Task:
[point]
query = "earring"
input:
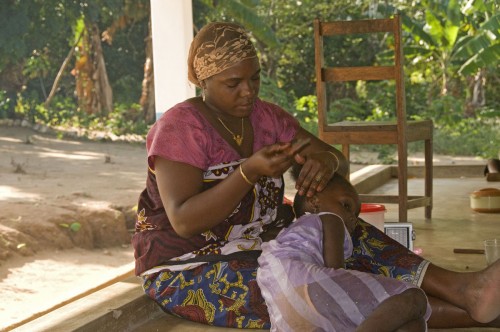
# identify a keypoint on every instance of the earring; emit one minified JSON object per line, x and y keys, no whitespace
{"x":203,"y":95}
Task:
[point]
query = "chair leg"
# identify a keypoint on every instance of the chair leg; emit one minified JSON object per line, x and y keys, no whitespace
{"x":403,"y":181}
{"x":347,"y":154}
{"x":428,"y":177}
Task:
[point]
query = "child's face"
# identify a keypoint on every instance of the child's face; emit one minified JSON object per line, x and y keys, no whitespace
{"x":342,"y":200}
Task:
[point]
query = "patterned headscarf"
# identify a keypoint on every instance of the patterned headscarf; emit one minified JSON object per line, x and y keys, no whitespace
{"x":216,"y":47}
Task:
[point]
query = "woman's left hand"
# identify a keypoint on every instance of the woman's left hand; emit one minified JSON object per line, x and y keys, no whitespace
{"x":318,"y":168}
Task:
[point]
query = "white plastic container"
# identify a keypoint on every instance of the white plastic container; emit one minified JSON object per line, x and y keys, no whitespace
{"x":486,"y":200}
{"x":373,"y":214}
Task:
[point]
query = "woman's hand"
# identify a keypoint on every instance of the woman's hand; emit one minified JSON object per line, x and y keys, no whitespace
{"x":193,"y":210}
{"x":320,"y":161}
{"x":272,"y":160}
{"x":318,"y":168}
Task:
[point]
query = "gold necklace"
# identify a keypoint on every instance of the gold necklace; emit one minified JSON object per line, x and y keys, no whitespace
{"x":237,"y":138}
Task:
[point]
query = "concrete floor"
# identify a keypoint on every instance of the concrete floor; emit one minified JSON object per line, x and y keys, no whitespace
{"x":453,"y":225}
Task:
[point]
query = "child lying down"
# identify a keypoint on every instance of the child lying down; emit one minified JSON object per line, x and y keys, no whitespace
{"x":305,"y":285}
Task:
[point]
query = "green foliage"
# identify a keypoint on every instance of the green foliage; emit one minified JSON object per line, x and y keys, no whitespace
{"x":456,"y":135}
{"x":62,"y":110}
{"x":5,"y":105}
{"x":125,"y":71}
{"x":306,"y":111}
{"x":469,"y":137}
{"x":453,"y":40}
{"x":446,"y":44}
{"x":34,"y":41}
{"x":347,"y":109}
{"x":127,"y":119}
{"x":386,"y":154}
{"x":270,"y":91}
{"x":445,"y":111}
{"x":25,"y":107}
{"x":243,"y":12}
{"x":37,"y":35}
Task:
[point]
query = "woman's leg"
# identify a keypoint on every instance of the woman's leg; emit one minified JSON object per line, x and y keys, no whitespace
{"x":444,"y":312}
{"x":478,"y":293}
{"x":219,"y":293}
{"x":377,"y":253}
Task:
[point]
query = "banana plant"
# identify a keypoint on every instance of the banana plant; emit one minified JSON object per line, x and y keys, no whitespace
{"x":481,"y":47}
{"x":452,"y":38}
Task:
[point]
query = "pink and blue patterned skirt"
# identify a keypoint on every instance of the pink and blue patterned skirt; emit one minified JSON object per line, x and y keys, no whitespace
{"x":226,"y":293}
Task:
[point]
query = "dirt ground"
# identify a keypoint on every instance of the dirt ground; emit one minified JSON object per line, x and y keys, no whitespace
{"x":66,"y":210}
{"x":66,"y":215}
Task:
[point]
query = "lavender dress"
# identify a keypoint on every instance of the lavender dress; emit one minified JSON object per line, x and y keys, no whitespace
{"x":304,"y":295}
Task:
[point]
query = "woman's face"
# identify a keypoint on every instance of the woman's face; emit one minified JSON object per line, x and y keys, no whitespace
{"x":234,"y":90}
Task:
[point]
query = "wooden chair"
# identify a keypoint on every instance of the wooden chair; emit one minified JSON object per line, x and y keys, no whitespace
{"x":398,"y":132}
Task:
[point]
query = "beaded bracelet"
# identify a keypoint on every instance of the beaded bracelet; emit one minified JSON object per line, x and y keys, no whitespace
{"x":245,"y":177}
{"x":338,"y":161}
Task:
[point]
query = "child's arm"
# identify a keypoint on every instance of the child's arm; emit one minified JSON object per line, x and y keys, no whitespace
{"x":333,"y":241}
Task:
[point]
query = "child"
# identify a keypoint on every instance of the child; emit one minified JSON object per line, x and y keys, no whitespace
{"x":305,"y":285}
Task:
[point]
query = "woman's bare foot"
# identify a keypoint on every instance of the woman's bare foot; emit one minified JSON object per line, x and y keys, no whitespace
{"x":483,"y":294}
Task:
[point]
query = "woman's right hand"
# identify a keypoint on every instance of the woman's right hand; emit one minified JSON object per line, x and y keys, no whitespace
{"x":272,"y":160}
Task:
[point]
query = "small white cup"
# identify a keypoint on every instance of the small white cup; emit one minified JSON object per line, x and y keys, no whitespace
{"x":492,"y":250}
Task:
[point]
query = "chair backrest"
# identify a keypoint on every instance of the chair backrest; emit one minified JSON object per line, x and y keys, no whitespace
{"x":326,"y":74}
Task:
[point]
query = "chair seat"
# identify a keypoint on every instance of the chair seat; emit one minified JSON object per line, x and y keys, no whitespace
{"x":380,"y":132}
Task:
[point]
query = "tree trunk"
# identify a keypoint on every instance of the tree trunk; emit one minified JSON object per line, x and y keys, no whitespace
{"x":478,"y":95}
{"x":478,"y":99}
{"x":92,"y":86}
{"x":147,"y":100}
{"x":82,"y":71}
{"x":60,"y":72}
{"x":104,"y":93}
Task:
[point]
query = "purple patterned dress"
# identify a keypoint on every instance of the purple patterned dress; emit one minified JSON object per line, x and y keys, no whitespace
{"x":304,"y":295}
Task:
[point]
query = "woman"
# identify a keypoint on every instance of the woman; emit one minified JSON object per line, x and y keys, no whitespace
{"x":215,"y":189}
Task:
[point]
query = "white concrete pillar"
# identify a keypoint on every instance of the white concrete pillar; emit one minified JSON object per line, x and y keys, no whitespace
{"x":172,"y":32}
